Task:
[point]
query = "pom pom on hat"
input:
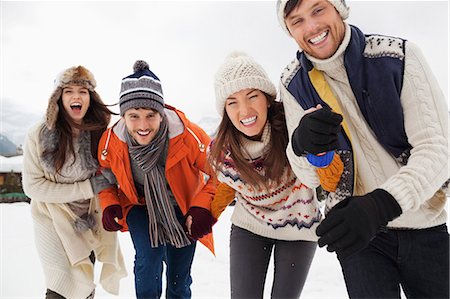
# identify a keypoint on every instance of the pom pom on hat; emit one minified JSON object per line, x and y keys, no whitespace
{"x":239,"y":71}
{"x":140,"y":65}
{"x":235,"y":54}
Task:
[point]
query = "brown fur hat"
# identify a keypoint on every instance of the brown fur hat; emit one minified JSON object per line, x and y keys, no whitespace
{"x":77,"y":75}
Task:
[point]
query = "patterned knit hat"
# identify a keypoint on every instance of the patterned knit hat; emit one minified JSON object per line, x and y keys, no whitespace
{"x":340,"y":6}
{"x":77,"y":75}
{"x":238,"y":72}
{"x":142,"y":89}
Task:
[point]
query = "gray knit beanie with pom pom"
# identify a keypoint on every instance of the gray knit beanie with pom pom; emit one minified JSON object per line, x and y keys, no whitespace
{"x":142,"y":89}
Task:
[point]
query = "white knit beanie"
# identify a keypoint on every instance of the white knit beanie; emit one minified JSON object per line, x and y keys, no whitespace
{"x":238,"y":72}
{"x":340,"y":6}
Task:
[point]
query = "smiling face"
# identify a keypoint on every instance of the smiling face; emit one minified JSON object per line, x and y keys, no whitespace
{"x":317,"y":27}
{"x":76,"y":100}
{"x":247,"y":110}
{"x":142,"y":124}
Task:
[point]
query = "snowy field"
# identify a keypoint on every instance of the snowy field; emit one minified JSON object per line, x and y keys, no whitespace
{"x":21,"y":275}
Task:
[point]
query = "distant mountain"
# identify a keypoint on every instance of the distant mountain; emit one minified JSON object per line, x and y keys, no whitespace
{"x":7,"y":148}
{"x":16,"y":121}
{"x":209,"y":124}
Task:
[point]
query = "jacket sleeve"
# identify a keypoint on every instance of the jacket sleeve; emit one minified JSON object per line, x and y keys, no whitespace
{"x":35,"y":184}
{"x":108,"y":196}
{"x":426,"y":125}
{"x":300,"y":165}
{"x":205,"y":196}
{"x":224,"y":196}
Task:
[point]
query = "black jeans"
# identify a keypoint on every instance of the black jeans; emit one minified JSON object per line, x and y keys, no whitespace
{"x":416,"y":260}
{"x":249,"y":260}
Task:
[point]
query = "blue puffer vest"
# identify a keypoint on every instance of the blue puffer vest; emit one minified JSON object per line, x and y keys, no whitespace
{"x":376,"y":81}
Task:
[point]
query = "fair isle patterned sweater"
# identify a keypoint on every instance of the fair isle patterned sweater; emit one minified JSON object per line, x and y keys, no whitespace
{"x":286,"y":211}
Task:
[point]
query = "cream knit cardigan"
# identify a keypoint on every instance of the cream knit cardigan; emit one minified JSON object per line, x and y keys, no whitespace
{"x":65,"y":254}
{"x":417,"y":185}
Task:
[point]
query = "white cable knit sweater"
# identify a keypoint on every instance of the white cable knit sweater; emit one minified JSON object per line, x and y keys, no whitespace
{"x":416,"y":186}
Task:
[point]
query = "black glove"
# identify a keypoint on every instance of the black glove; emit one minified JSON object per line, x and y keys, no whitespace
{"x":317,"y":132}
{"x":202,"y":222}
{"x":354,"y":222}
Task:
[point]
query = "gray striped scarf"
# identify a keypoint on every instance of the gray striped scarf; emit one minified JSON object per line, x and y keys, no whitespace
{"x":163,"y":224}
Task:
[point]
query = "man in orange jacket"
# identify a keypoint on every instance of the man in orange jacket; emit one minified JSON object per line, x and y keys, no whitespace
{"x":163,"y":192}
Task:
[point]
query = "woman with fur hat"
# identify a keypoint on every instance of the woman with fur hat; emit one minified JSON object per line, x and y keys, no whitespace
{"x":59,"y":175}
{"x":274,"y":210}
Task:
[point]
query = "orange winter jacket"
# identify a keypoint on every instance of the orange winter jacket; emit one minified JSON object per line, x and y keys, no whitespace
{"x":186,"y":173}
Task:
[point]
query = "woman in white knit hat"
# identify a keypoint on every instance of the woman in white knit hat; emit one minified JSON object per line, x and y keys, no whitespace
{"x":59,"y":175}
{"x":274,"y":210}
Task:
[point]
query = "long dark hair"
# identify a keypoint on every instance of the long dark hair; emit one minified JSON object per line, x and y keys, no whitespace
{"x":95,"y":121}
{"x":227,"y":141}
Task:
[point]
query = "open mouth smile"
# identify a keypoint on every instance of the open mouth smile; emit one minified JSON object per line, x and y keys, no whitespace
{"x":319,"y":38}
{"x":248,"y":121}
{"x":76,"y":106}
{"x":143,"y":133}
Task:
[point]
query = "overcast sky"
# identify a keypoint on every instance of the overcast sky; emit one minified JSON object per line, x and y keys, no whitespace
{"x":184,"y":43}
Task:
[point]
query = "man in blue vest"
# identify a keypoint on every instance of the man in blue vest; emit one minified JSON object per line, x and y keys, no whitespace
{"x":386,"y":220}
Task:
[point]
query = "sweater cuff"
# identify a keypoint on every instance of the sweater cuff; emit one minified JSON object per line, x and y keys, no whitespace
{"x":330,"y":176}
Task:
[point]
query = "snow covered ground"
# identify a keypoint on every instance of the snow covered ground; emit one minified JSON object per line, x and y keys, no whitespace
{"x":21,"y":275}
